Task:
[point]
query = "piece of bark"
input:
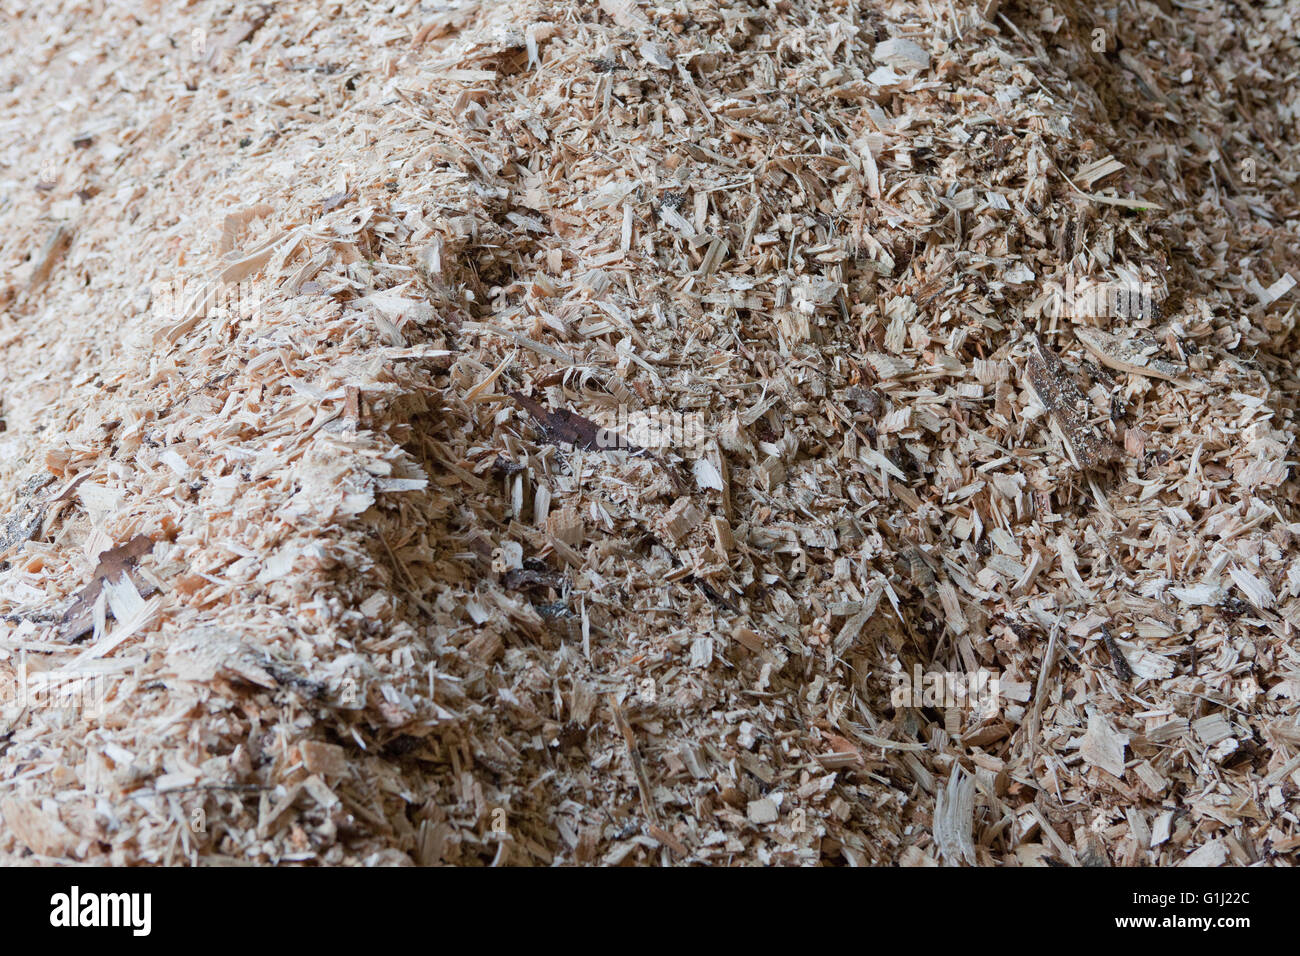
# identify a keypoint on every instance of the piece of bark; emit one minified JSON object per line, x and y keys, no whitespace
{"x":50,"y":253}
{"x":1117,"y":659}
{"x":78,"y":619}
{"x":1135,"y":354}
{"x":1055,"y":387}
{"x":562,"y":425}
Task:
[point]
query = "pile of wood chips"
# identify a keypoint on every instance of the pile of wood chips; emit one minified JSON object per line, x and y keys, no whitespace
{"x":556,"y":432}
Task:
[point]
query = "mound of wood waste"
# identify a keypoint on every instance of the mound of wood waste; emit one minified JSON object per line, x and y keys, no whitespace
{"x":649,"y":432}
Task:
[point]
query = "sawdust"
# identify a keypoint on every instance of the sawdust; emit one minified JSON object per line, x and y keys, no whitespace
{"x":337,"y":306}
